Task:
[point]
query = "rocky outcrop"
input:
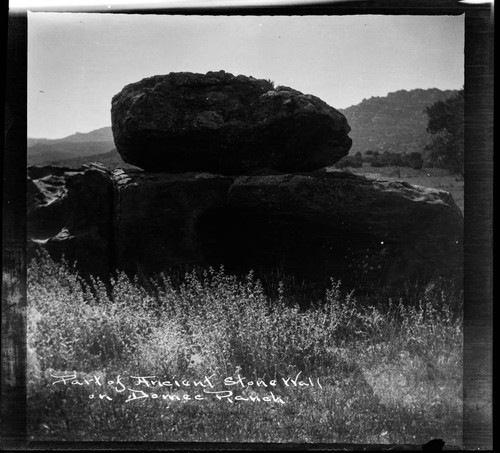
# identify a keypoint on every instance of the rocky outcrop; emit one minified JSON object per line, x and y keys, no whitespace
{"x":336,"y":224}
{"x":70,"y":214}
{"x":224,"y":124}
{"x":156,"y":217}
{"x":311,"y":225}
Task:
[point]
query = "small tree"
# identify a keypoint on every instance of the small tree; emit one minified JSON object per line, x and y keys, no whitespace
{"x":415,"y":161}
{"x":446,"y":124}
{"x":355,"y":161}
{"x":370,"y":156}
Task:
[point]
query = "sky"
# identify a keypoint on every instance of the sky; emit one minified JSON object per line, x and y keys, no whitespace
{"x":78,"y":61}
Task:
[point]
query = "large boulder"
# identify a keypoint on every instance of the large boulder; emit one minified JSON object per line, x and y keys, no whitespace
{"x":312,"y":226}
{"x":322,"y":225}
{"x":226,"y":124}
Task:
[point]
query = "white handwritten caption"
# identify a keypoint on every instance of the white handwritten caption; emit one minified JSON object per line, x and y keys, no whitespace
{"x":151,"y":387}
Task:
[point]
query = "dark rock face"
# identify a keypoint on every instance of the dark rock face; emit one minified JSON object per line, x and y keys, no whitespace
{"x":316,"y":226}
{"x":70,"y":214}
{"x":224,"y":124}
{"x":156,"y":217}
{"x":313,"y":225}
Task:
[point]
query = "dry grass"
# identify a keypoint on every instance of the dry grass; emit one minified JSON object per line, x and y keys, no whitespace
{"x":387,"y":375}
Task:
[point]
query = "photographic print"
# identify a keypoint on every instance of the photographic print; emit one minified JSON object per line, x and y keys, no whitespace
{"x":245,"y":228}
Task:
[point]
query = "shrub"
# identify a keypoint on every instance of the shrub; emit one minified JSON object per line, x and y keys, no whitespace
{"x":416,"y":161}
{"x":78,"y":325}
{"x":355,"y":160}
{"x":413,"y":160}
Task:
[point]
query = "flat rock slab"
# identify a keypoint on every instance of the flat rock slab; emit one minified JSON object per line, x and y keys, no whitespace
{"x":313,"y":226}
{"x":361,"y":231}
{"x":226,"y":124}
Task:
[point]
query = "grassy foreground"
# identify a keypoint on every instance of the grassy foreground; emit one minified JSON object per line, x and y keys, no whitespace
{"x":214,"y":359}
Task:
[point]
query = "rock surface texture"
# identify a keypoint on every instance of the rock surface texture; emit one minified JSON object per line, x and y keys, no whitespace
{"x":70,"y":214}
{"x":225,"y":124}
{"x":311,"y":225}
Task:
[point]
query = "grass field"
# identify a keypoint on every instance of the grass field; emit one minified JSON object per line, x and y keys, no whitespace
{"x":133,"y":361}
{"x":436,"y":178}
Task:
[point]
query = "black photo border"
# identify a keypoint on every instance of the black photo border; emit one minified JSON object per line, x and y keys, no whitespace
{"x":478,"y":221}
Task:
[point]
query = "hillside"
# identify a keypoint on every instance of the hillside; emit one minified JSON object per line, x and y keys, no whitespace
{"x":104,"y":134}
{"x":110,"y":160}
{"x":395,"y":123}
{"x":42,"y":151}
{"x":45,"y":154}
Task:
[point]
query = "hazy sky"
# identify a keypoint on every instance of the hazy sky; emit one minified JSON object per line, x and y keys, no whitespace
{"x":78,"y":61}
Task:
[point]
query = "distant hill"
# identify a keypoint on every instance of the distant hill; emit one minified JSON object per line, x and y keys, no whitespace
{"x":42,"y":154}
{"x":395,"y":123}
{"x":110,"y":160}
{"x":104,"y":134}
{"x":43,"y":151}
